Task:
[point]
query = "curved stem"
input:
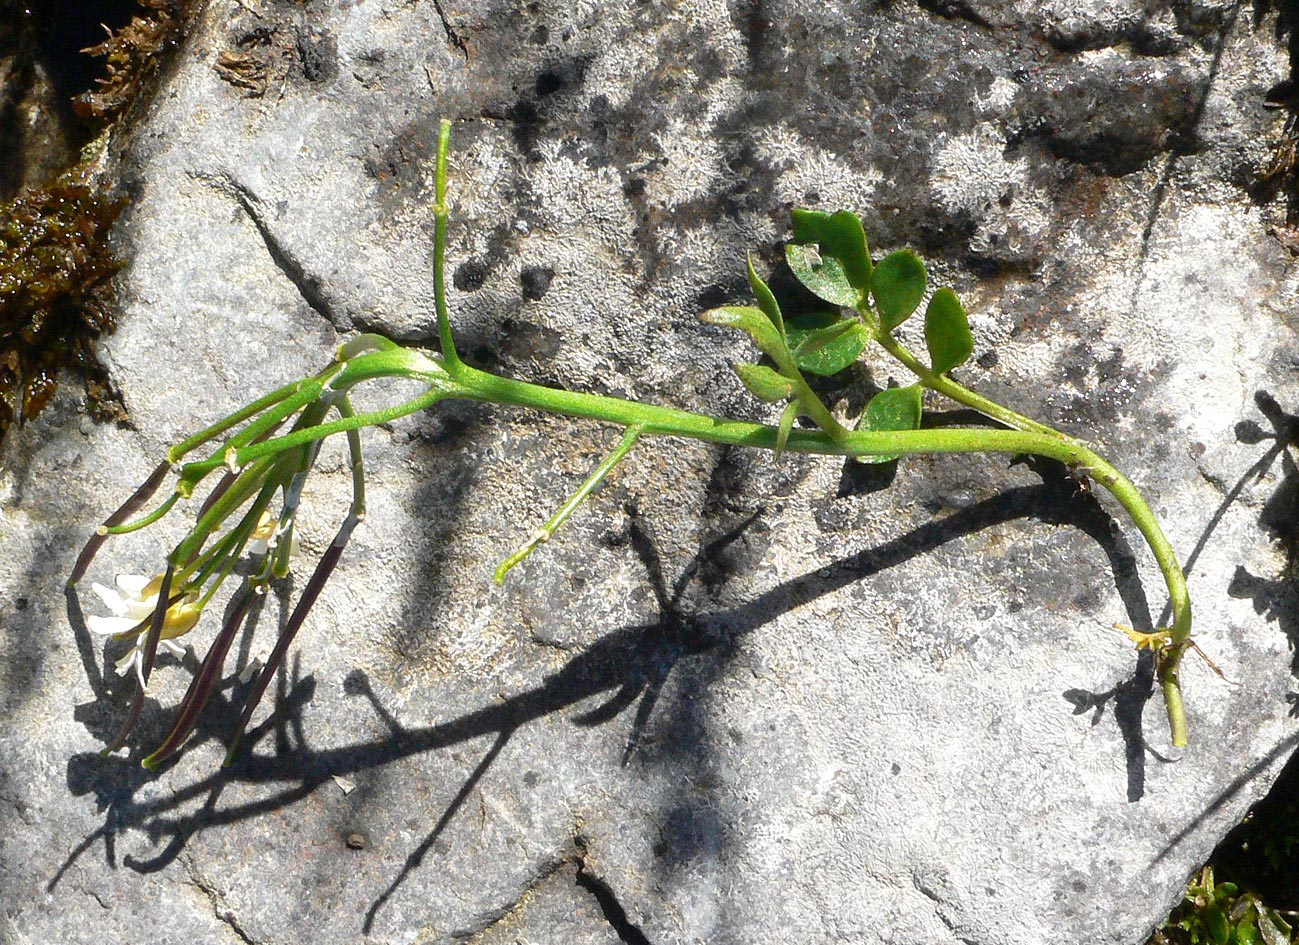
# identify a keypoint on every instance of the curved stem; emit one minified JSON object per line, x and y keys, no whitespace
{"x":1121,"y":488}
{"x":1046,"y":442}
{"x":959,"y":393}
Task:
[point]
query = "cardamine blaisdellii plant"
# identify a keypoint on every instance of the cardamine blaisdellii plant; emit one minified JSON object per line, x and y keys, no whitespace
{"x":257,"y":459}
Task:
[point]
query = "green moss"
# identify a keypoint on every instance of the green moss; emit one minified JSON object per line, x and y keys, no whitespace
{"x":1259,"y":860}
{"x":56,"y":294}
{"x":133,"y":55}
{"x":56,"y":291}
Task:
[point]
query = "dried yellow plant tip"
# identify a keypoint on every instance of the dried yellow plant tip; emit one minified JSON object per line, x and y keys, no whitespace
{"x":1147,"y":641}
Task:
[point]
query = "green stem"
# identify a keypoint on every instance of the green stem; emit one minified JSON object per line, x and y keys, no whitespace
{"x":547,"y":531}
{"x":144,"y":521}
{"x":257,"y":406}
{"x":1120,"y":487}
{"x":258,"y":451}
{"x":308,"y":392}
{"x":440,"y":215}
{"x":814,"y":408}
{"x":649,"y":419}
{"x":652,"y":419}
{"x":959,"y":393}
{"x":251,"y":479}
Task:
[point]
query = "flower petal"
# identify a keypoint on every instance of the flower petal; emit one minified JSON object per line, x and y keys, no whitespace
{"x":123,"y":665}
{"x":110,"y":626}
{"x":133,"y":584}
{"x":112,"y":600}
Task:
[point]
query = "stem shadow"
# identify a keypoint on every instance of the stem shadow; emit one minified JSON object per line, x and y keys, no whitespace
{"x":630,"y":663}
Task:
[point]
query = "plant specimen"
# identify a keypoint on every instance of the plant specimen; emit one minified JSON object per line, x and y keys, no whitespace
{"x":261,"y":455}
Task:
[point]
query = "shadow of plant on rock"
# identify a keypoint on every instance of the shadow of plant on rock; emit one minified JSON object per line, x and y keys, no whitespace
{"x":628,"y":667}
{"x":1275,"y":597}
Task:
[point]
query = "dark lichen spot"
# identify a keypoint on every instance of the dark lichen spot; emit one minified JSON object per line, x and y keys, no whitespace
{"x":470,"y":275}
{"x":1116,"y":116}
{"x":318,"y":51}
{"x":713,"y":296}
{"x":560,"y":77}
{"x":535,"y":281}
{"x":522,"y":340}
{"x":399,"y":165}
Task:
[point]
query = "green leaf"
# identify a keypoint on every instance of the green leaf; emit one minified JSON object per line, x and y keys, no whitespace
{"x":1216,"y":923}
{"x":766,"y":301}
{"x":830,"y":257}
{"x":786,"y":424}
{"x":756,"y":323}
{"x":823,"y":275}
{"x":897,"y":408}
{"x":947,"y":332}
{"x":898,"y":286}
{"x":1247,"y":932}
{"x":830,"y":349}
{"x":811,"y":320}
{"x":764,"y":383}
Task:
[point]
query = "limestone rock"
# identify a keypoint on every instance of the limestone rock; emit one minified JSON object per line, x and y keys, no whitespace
{"x":754,"y":699}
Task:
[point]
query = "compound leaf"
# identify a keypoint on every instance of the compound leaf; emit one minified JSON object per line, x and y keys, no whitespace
{"x":897,"y":408}
{"x":898,"y":286}
{"x":947,"y":332}
{"x":764,"y":383}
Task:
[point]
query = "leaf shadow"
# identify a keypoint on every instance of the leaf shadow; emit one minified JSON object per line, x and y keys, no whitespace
{"x":1275,"y":597}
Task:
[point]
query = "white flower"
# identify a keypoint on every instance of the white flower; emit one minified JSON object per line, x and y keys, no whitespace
{"x":131,"y":605}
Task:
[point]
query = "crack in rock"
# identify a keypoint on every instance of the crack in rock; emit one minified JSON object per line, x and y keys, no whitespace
{"x":219,"y":908}
{"x":939,"y":903}
{"x":309,"y":286}
{"x":607,"y":899}
{"x":499,"y":916}
{"x":453,"y":37}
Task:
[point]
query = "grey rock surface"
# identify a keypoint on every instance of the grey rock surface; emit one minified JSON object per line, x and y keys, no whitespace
{"x":748,"y":699}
